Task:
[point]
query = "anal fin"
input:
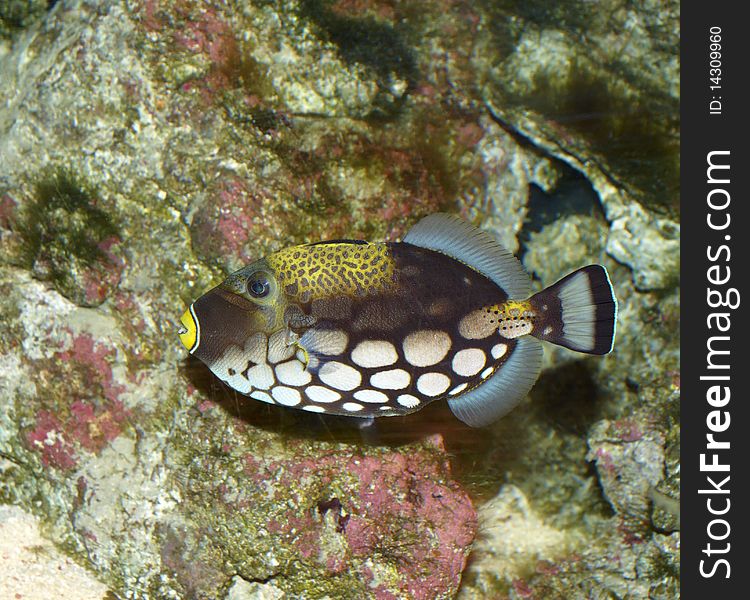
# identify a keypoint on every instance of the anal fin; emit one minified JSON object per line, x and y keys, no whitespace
{"x":505,"y":389}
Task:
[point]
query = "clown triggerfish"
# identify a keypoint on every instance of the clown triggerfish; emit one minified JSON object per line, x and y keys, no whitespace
{"x":354,"y":328}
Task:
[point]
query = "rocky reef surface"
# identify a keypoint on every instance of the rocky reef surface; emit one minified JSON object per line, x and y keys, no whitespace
{"x":149,"y":147}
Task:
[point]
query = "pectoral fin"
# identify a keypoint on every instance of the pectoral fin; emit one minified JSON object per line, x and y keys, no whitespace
{"x":322,"y":344}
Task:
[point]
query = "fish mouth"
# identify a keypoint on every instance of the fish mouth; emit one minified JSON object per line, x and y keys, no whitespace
{"x":189,"y":331}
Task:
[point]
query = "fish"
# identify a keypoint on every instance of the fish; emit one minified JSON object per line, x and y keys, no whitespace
{"x":375,"y":329}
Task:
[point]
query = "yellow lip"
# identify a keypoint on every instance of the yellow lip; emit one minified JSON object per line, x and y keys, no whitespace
{"x":189,"y":330}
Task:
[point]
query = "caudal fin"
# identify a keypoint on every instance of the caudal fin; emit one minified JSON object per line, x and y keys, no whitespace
{"x":578,"y":312}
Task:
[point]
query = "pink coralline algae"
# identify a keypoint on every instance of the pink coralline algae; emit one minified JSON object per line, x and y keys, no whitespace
{"x":8,"y":208}
{"x":470,"y":134}
{"x":522,"y":589}
{"x":95,"y":358}
{"x":224,"y":226}
{"x":604,"y":459}
{"x":627,"y":430}
{"x":48,"y":439}
{"x":86,"y":428}
{"x":207,"y":34}
{"x":359,"y":8}
{"x":94,"y":429}
{"x":235,"y":218}
{"x":102,"y":279}
{"x":88,"y":414}
{"x":402,"y":508}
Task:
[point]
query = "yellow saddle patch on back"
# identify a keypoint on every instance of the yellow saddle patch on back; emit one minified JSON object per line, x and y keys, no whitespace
{"x":320,"y":270}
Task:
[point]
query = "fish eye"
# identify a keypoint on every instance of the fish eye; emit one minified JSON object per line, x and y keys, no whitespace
{"x":258,"y":285}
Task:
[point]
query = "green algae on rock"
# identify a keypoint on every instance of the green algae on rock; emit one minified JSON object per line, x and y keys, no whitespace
{"x":374,"y":44}
{"x":15,"y":15}
{"x":596,"y":108}
{"x":610,"y":102}
{"x":69,"y":240}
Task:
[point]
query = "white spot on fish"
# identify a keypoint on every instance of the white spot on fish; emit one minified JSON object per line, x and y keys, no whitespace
{"x":458,"y":389}
{"x":233,"y":361}
{"x":498,"y":350}
{"x":262,"y":396}
{"x":468,"y":362}
{"x":408,"y":400}
{"x":340,"y":376}
{"x":486,"y":373}
{"x":476,"y":325}
{"x":318,"y":393}
{"x":426,"y":348}
{"x":255,"y":348}
{"x":260,"y":376}
{"x":371,"y":396}
{"x":239,"y":383}
{"x":433,"y":384}
{"x":395,"y":379}
{"x":352,"y":406}
{"x":313,"y":408}
{"x":511,"y":329}
{"x":374,"y":353}
{"x":286,"y":396}
{"x":293,"y":373}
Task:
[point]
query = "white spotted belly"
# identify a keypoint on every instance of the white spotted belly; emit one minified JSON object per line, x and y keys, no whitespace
{"x":361,"y":377}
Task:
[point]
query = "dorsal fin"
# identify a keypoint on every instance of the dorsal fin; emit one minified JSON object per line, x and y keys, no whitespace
{"x":502,"y":392}
{"x":339,"y":241}
{"x":455,"y":237}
